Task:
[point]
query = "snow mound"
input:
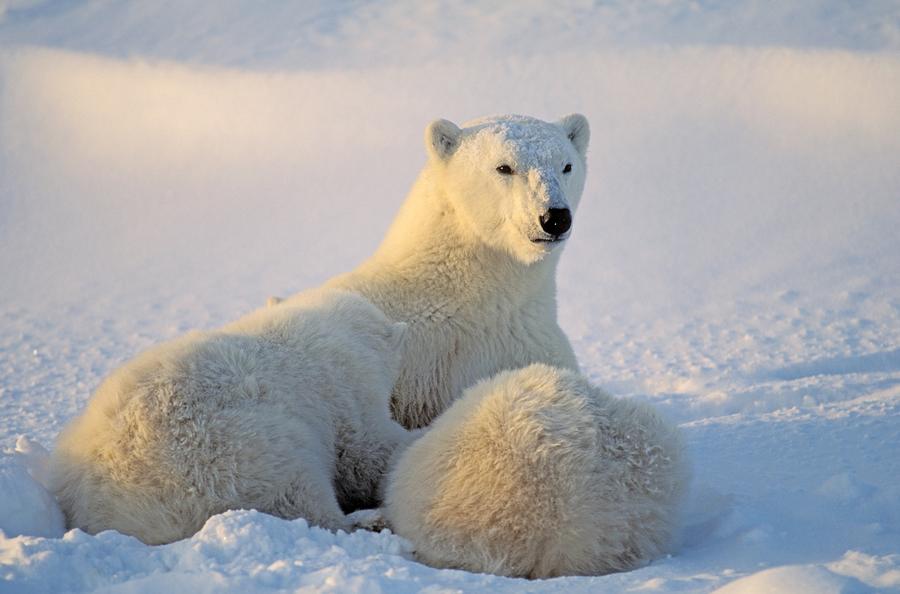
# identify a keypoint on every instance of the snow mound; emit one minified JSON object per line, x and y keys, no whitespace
{"x":27,"y":507}
{"x":237,"y":551}
{"x":856,"y":573}
{"x":795,"y":580}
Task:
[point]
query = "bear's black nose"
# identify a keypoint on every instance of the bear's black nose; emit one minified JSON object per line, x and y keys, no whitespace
{"x":556,"y":221}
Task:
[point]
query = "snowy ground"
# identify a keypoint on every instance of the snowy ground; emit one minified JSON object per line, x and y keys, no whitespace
{"x":167,"y":166}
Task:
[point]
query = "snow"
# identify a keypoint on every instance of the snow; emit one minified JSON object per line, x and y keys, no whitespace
{"x":28,"y":507}
{"x":795,"y":579}
{"x":167,"y":166}
{"x":325,"y":34}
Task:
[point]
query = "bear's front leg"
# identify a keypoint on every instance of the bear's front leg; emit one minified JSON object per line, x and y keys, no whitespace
{"x":312,"y":498}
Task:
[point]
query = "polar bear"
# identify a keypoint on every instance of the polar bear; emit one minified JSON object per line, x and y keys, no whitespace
{"x":470,"y":261}
{"x":284,"y":411}
{"x":535,"y":473}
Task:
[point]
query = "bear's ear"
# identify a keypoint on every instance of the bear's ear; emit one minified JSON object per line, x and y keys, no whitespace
{"x":441,"y":139}
{"x":577,"y":129}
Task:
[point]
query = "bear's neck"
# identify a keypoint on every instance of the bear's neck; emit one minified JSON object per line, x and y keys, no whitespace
{"x":428,"y":244}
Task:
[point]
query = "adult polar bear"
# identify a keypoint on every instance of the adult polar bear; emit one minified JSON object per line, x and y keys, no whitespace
{"x":470,"y":261}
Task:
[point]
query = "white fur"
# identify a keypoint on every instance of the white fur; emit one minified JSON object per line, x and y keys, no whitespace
{"x":460,"y":264}
{"x":270,"y":412}
{"x":535,"y":473}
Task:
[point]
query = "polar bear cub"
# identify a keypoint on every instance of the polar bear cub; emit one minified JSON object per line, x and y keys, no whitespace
{"x":284,"y":411}
{"x":535,"y":473}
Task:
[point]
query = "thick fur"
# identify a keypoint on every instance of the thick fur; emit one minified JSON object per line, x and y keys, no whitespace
{"x":268,"y":413}
{"x":535,"y":473}
{"x":464,"y":263}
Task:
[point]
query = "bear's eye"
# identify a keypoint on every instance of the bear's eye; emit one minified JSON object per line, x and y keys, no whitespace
{"x":505,"y":170}
{"x":567,"y":168}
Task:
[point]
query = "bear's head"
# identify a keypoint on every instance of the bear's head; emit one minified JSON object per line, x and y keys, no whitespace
{"x":514,"y":181}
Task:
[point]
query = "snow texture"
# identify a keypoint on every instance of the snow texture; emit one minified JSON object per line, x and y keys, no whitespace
{"x":166,"y":166}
